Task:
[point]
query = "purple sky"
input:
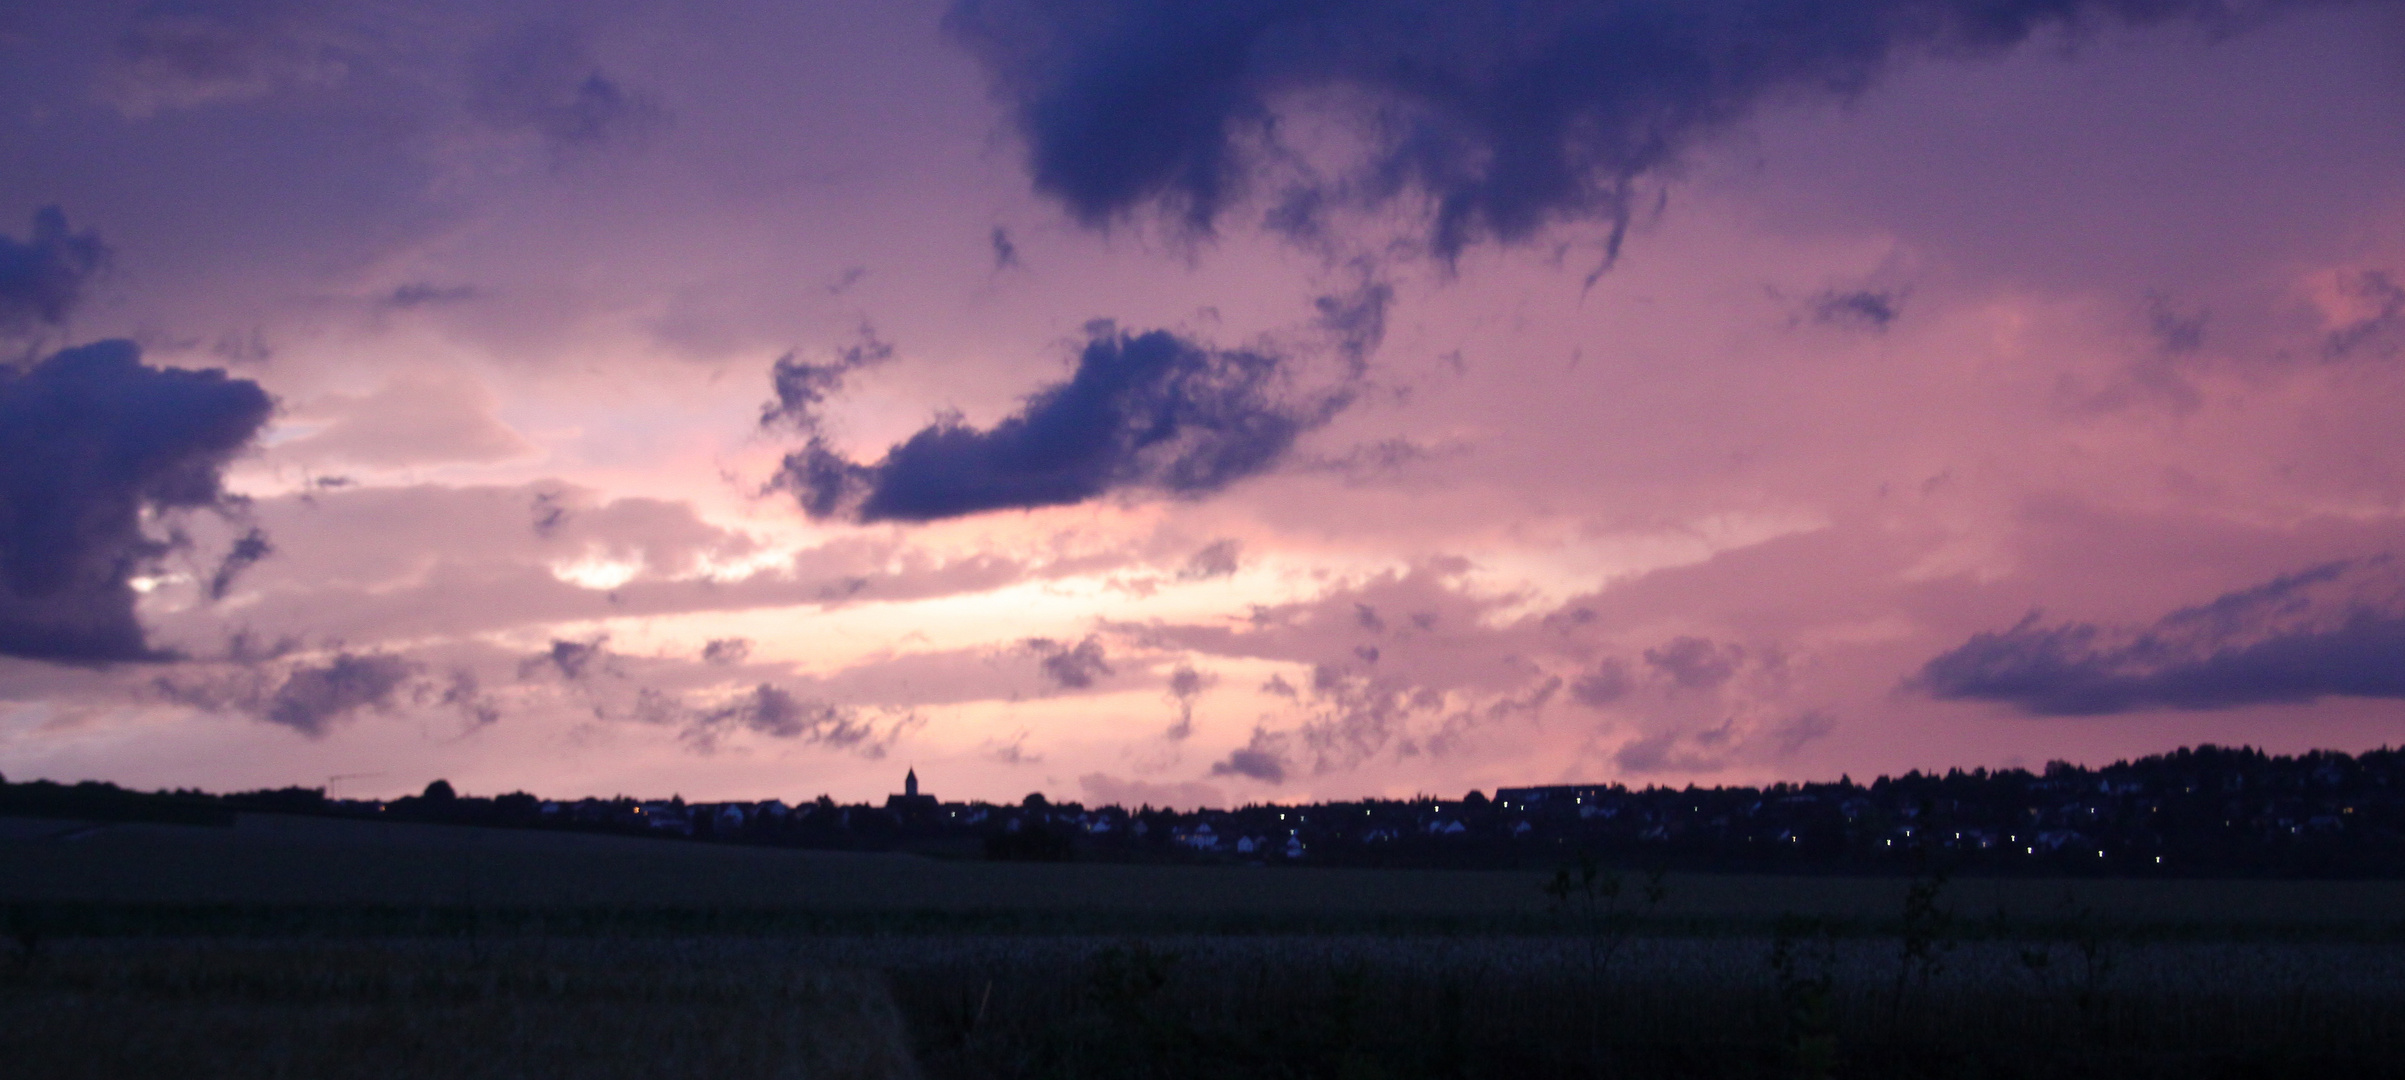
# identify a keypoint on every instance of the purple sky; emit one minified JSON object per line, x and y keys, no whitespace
{"x":1137,"y":400}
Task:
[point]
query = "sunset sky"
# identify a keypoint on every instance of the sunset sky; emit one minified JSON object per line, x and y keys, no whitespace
{"x":1192,"y":401}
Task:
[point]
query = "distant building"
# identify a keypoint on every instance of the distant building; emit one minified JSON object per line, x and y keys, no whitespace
{"x":910,"y":803}
{"x":1530,"y":798}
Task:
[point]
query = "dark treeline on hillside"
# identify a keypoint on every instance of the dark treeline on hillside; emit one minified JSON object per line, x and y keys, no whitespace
{"x":2205,"y":811}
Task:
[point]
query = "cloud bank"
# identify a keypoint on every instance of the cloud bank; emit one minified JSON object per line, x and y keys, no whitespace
{"x":803,"y":386}
{"x":2333,"y":630}
{"x":542,"y":80}
{"x":1497,"y":118}
{"x":42,"y":277}
{"x":90,"y":439}
{"x":1150,"y":411}
{"x":310,"y":698}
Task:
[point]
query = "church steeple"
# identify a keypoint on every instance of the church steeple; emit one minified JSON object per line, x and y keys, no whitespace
{"x":910,"y":803}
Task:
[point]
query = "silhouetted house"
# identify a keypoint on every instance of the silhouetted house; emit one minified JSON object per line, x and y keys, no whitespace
{"x":666,"y":817}
{"x":728,"y":821}
{"x":2057,"y":840}
{"x":1530,"y":798}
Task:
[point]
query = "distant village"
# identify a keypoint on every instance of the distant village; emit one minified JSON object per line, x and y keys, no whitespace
{"x":2202,"y":811}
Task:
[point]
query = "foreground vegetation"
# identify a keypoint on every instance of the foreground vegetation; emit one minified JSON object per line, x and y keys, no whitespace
{"x":341,"y":1011}
{"x":1798,"y":1004}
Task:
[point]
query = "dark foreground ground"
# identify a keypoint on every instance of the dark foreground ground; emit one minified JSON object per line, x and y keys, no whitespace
{"x":297,"y":948}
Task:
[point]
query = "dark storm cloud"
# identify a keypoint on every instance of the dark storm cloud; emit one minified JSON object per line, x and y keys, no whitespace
{"x":2178,"y":331}
{"x":42,"y":277}
{"x":1142,"y":411}
{"x":1729,"y":742}
{"x":1186,"y":686}
{"x":541,"y":79}
{"x":779,"y":714}
{"x":311,"y":699}
{"x":1499,"y":117}
{"x":571,"y":659}
{"x":1792,"y":736}
{"x":2332,"y":630}
{"x":419,"y":294}
{"x":1071,"y":667}
{"x":187,"y":54}
{"x":774,"y":712}
{"x":1383,"y":460}
{"x":1219,"y":558}
{"x":2377,"y":332}
{"x":304,"y":696}
{"x":465,"y":693}
{"x":1608,"y":681}
{"x":1862,"y":309}
{"x":547,"y":512}
{"x":246,"y":552}
{"x":1356,"y":319}
{"x":1696,"y":663}
{"x":1356,"y":716}
{"x":803,"y":387}
{"x":90,"y":438}
{"x":1263,"y":759}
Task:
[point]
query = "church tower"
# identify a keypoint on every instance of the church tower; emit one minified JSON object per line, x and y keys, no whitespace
{"x":910,"y":803}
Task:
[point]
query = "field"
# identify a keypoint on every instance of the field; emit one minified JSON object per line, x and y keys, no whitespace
{"x":331,"y":864}
{"x":312,"y":947}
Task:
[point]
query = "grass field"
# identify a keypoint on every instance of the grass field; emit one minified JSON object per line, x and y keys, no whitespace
{"x":333,"y":863}
{"x":319,"y":1010}
{"x":316,"y":947}
{"x":1191,"y":1007}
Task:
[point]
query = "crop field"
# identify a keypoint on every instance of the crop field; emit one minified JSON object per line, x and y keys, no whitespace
{"x":1218,"y":1006}
{"x":191,"y":1009}
{"x":301,"y":947}
{"x":330,"y":864}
